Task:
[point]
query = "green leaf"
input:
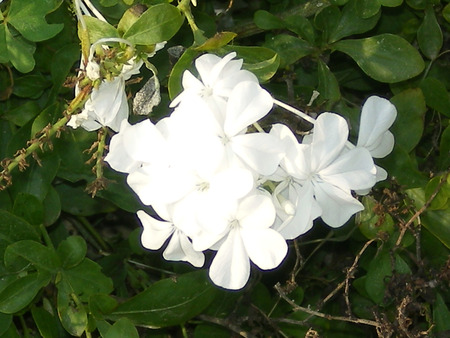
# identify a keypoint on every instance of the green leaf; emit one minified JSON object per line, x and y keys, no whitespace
{"x":386,"y":57}
{"x":262,"y":62}
{"x":302,"y":27}
{"x":327,"y":21}
{"x":42,"y":257}
{"x":5,"y":322}
{"x":158,"y":23}
{"x":436,"y":221}
{"x":20,"y":52}
{"x":368,"y":8}
{"x":177,"y":71}
{"x":370,"y":223}
{"x":86,"y":279}
{"x":444,"y":149}
{"x":429,"y":35}
{"x":169,"y":302}
{"x":23,"y":113}
{"x":31,"y":86}
{"x":19,"y":294}
{"x":379,"y":269}
{"x":13,"y":229}
{"x":411,"y":111}
{"x":52,"y":207}
{"x":328,"y":85}
{"x":442,"y":196}
{"x":390,"y":3}
{"x":71,"y":312}
{"x":122,"y":328}
{"x":217,"y":41}
{"x":72,"y":251}
{"x":417,"y":4}
{"x":441,"y":314}
{"x":4,"y":58}
{"x":352,"y":22}
{"x":265,"y":20}
{"x":98,"y":29}
{"x":29,"y":207}
{"x":445,"y":13}
{"x":45,"y":322}
{"x":436,"y":95}
{"x":101,"y":304}
{"x":28,"y":17}
{"x":289,"y":48}
{"x":75,"y":201}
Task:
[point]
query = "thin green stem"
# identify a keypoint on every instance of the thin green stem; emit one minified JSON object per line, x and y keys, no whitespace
{"x":96,"y":236}
{"x":100,"y":151}
{"x":47,"y":239}
{"x":26,"y":330}
{"x":185,"y":8}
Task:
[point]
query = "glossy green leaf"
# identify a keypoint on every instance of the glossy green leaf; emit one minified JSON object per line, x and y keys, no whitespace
{"x":72,"y":251}
{"x":19,"y":294}
{"x":45,"y":322}
{"x":3,"y":47}
{"x":436,"y":95}
{"x":328,"y":86}
{"x":13,"y":229}
{"x":327,"y":21}
{"x":52,"y":207}
{"x":100,"y":305}
{"x":176,"y":74}
{"x":265,"y":20}
{"x":42,"y":257}
{"x":49,"y":115}
{"x":217,"y":41}
{"x":71,"y":311}
{"x":411,"y":111}
{"x":86,"y":279}
{"x":441,"y":314}
{"x":122,"y":328}
{"x":302,"y":27}
{"x":390,"y":3}
{"x":440,"y":200}
{"x":262,"y":62}
{"x":368,"y":8}
{"x":31,"y":86}
{"x":386,"y":57}
{"x":429,"y":35}
{"x":99,"y":29}
{"x":23,"y":113}
{"x":289,"y":48}
{"x":444,"y":149}
{"x":352,"y":22}
{"x":417,"y":4}
{"x":446,"y":12}
{"x":28,"y":17}
{"x":5,"y":322}
{"x":158,"y":23}
{"x":29,"y":207}
{"x":20,"y":52}
{"x":169,"y":302}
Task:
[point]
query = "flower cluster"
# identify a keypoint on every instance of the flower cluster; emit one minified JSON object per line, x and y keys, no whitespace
{"x":219,"y":182}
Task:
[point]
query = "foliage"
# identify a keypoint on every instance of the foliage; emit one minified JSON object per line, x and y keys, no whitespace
{"x":72,"y":264}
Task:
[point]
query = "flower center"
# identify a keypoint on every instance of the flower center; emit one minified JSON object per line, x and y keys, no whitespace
{"x":206,"y":92}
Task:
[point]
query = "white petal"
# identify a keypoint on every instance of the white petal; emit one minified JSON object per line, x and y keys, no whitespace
{"x":261,"y":152}
{"x":377,"y":116}
{"x":329,"y":136}
{"x":352,"y":170}
{"x":383,"y":146}
{"x":118,"y":157}
{"x":225,"y":86}
{"x":256,"y":212}
{"x":180,"y":249}
{"x":230,"y":268}
{"x":155,"y":232}
{"x":210,"y":67}
{"x":247,"y":104}
{"x":265,"y":247}
{"x":337,"y":205}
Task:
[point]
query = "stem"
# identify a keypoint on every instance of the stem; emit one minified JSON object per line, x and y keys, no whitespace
{"x":94,"y":10}
{"x":295,"y":111}
{"x":26,"y":330}
{"x":185,"y":7}
{"x":47,"y":239}
{"x":90,"y":229}
{"x":100,"y":151}
{"x":77,"y":4}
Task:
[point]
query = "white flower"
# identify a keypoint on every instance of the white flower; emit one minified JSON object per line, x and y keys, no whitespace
{"x":377,"y":116}
{"x":107,"y":106}
{"x":328,"y":172}
{"x":248,"y":237}
{"x":180,"y":248}
{"x":218,"y":78}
